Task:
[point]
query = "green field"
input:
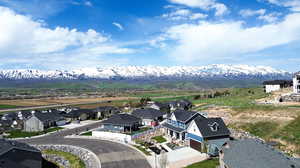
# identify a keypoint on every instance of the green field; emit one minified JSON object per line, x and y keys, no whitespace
{"x":75,"y":161}
{"x":159,"y":139}
{"x":5,"y":106}
{"x":213,"y":163}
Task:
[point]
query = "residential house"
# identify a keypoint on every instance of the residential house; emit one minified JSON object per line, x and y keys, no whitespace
{"x":79,"y":115}
{"x":39,"y":121}
{"x":296,"y":82}
{"x":180,"y":105}
{"x":15,"y":154}
{"x":149,"y":116}
{"x":275,"y":85}
{"x":106,"y":111}
{"x":250,"y":153}
{"x":121,"y":123}
{"x":164,"y":107}
{"x":207,"y":134}
{"x":177,"y":123}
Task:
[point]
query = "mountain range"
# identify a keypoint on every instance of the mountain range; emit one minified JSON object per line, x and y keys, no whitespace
{"x":149,"y":72}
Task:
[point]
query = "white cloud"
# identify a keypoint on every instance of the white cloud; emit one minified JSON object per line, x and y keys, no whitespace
{"x":183,"y":14}
{"x":216,"y":41}
{"x":249,"y":12}
{"x":118,"y":25}
{"x":261,"y":15}
{"x":88,"y":3}
{"x":220,"y":8}
{"x":23,"y":38}
{"x":293,"y":5}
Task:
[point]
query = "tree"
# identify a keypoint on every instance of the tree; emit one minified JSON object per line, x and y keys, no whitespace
{"x":144,"y":100}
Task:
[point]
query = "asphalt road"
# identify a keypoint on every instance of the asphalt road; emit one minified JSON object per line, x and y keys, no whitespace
{"x":111,"y":154}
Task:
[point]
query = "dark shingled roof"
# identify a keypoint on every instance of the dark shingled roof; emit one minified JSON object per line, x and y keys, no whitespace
{"x":250,"y":153}
{"x":183,"y":115}
{"x":147,"y":113}
{"x":77,"y":113}
{"x":121,"y":119}
{"x":278,"y":82}
{"x":7,"y":145}
{"x":205,"y":126}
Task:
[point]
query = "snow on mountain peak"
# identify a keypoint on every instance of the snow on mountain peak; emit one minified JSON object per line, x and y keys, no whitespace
{"x":143,"y":71}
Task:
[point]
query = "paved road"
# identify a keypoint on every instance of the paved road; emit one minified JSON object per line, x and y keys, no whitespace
{"x":111,"y":154}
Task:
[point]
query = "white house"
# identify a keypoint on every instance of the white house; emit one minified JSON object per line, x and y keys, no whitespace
{"x":296,"y":82}
{"x":271,"y":86}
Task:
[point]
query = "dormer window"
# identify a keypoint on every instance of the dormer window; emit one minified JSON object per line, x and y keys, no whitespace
{"x":214,"y":127}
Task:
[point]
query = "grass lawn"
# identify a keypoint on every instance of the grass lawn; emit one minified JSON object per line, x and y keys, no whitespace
{"x":75,"y":162}
{"x":22,"y":134}
{"x":6,"y":106}
{"x":205,"y":164}
{"x":291,"y":132}
{"x":159,"y":139}
{"x":142,"y":149}
{"x":87,"y":133}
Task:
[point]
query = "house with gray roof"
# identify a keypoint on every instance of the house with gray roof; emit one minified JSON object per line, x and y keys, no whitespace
{"x":296,"y":82}
{"x":106,"y":111}
{"x":207,"y":135}
{"x":164,"y":107}
{"x":121,"y":123}
{"x":149,"y":116}
{"x":177,"y":123}
{"x":252,"y":153}
{"x":15,"y":154}
{"x":180,"y":105}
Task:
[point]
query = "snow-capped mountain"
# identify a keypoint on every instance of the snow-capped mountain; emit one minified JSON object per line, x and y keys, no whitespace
{"x":132,"y":72}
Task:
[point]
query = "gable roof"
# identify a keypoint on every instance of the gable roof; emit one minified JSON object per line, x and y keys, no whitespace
{"x":147,"y":113}
{"x":184,"y":116}
{"x":76,"y":113}
{"x":121,"y":119}
{"x":250,"y":153}
{"x":48,"y":116}
{"x":211,"y":127}
{"x":7,"y":145}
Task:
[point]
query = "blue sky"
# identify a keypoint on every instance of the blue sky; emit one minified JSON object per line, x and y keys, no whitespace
{"x":70,"y":34}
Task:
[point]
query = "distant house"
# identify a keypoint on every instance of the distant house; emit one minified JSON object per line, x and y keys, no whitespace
{"x":121,"y":123}
{"x":15,"y":154}
{"x":296,"y":82}
{"x":275,"y":85}
{"x":164,"y":107}
{"x":106,"y":111}
{"x":180,"y":105}
{"x":80,"y":115}
{"x":149,"y":116}
{"x":207,"y":134}
{"x":177,"y":123}
{"x":39,"y":121}
{"x":251,"y":153}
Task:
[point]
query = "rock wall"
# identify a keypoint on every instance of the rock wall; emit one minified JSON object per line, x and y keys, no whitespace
{"x":90,"y":159}
{"x":290,"y":98}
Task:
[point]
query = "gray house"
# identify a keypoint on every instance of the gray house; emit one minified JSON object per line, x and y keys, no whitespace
{"x":121,"y":123}
{"x":149,"y":116}
{"x":106,"y":111}
{"x":15,"y":154}
{"x":251,"y":153}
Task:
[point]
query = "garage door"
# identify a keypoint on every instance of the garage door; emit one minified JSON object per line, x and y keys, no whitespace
{"x":195,"y":145}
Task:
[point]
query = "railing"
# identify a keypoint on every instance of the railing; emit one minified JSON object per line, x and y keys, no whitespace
{"x":141,"y":134}
{"x":176,"y":124}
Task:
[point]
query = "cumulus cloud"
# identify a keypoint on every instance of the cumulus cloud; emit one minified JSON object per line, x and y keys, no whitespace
{"x":261,"y":15}
{"x":226,"y":40}
{"x":220,"y":8}
{"x":118,"y":25}
{"x":293,"y":5}
{"x":249,"y":12}
{"x":22,"y":38}
{"x":183,"y":14}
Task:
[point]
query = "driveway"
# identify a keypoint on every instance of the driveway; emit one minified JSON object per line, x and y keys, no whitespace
{"x":111,"y":154}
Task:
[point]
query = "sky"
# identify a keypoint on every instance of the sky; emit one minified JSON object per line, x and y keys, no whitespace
{"x":72,"y":34}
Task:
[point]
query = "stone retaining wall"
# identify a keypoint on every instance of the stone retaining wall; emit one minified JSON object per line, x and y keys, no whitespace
{"x":89,"y":158}
{"x":61,"y":161}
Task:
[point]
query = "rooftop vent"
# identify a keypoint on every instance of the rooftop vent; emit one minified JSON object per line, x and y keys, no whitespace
{"x":214,"y":126}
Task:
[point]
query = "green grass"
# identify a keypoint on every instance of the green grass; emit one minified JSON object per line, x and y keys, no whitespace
{"x":159,"y":139}
{"x":87,"y":133}
{"x":205,"y":164}
{"x":5,"y":106}
{"x":22,"y":134}
{"x":142,"y":149}
{"x":291,"y":132}
{"x":75,"y":161}
{"x":263,"y":129}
